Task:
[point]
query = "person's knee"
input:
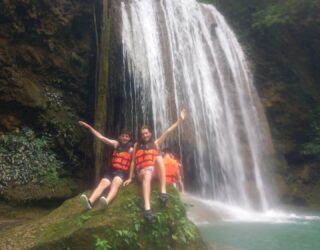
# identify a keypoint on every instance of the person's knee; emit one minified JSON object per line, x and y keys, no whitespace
{"x":104,"y":182}
{"x":117,"y":181}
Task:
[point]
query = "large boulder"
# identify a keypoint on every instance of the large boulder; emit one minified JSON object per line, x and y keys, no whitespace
{"x":120,"y":226}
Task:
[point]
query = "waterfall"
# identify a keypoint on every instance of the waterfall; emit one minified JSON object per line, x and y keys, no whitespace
{"x":181,"y":53}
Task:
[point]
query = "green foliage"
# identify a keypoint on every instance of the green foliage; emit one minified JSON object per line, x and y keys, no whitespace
{"x":101,"y":244}
{"x":25,"y":158}
{"x":274,"y":15}
{"x":119,"y":227}
{"x":67,"y":134}
{"x":173,"y":226}
{"x":285,"y":13}
{"x":170,"y":226}
{"x":82,"y":219}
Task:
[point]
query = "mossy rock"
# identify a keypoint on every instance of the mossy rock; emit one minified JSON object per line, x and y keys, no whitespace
{"x":54,"y":189}
{"x":120,"y":226}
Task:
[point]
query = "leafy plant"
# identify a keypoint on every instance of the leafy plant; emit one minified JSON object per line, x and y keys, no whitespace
{"x":273,"y":15}
{"x":101,"y":244}
{"x":170,"y":226}
{"x":284,"y":13}
{"x":25,"y":158}
{"x":83,"y":218}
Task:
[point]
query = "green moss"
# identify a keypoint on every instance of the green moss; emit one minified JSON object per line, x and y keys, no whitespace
{"x":120,"y":226}
{"x":101,"y":88}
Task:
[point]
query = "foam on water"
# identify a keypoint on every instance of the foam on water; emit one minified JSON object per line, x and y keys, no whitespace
{"x":230,"y":213}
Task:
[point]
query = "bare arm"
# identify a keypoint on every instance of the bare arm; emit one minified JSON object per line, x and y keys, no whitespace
{"x":105,"y":140}
{"x":127,"y":182}
{"x":164,"y":136}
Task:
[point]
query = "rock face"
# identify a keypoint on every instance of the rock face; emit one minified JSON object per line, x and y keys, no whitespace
{"x":47,"y":71}
{"x":120,"y":226}
{"x":282,"y":42}
{"x":47,"y":60}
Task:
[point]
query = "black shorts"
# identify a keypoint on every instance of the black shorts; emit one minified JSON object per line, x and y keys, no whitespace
{"x":112,"y":174}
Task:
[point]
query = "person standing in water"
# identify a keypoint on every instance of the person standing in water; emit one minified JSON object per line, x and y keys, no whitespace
{"x":120,"y":163}
{"x":173,"y":170}
{"x":146,"y":157}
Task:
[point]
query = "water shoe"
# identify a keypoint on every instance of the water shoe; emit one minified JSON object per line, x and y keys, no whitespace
{"x":85,"y":201}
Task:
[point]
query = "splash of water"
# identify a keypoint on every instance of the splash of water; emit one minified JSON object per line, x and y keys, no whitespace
{"x":180,"y":53}
{"x":209,"y":211}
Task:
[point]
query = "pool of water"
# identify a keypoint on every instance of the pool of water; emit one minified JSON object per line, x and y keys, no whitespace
{"x":284,"y":228}
{"x":294,"y":235}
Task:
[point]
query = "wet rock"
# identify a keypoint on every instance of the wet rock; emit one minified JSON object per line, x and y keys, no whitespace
{"x":280,"y":186}
{"x":23,"y":91}
{"x":314,"y":194}
{"x":10,"y":122}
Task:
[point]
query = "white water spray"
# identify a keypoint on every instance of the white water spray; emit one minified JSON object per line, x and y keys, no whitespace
{"x":180,"y":53}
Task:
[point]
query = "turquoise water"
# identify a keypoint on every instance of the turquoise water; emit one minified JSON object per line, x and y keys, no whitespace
{"x":300,"y":235}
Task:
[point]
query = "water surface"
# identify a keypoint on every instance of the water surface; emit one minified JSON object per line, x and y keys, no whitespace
{"x":291,"y":235}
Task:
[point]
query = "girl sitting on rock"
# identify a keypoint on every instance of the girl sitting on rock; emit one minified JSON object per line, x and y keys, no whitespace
{"x":146,"y":157}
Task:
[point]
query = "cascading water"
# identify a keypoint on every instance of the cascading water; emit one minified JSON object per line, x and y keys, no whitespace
{"x":180,"y":53}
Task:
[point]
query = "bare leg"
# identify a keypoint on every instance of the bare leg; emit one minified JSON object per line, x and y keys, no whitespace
{"x":161,"y":170}
{"x":103,"y":184}
{"x":116,"y":183}
{"x":146,"y":177}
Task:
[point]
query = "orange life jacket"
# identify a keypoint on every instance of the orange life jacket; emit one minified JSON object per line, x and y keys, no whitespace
{"x":121,"y":157}
{"x":171,"y":169}
{"x":145,"y":155}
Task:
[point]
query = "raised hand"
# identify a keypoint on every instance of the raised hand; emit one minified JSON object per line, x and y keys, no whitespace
{"x":84,"y":124}
{"x":183,"y":114}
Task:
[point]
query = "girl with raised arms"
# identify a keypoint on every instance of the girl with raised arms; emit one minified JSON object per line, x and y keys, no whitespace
{"x":146,"y":156}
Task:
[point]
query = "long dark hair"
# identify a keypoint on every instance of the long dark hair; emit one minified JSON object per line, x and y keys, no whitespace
{"x":148,"y":128}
